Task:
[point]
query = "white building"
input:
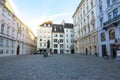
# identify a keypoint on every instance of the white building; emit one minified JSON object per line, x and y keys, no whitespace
{"x":44,"y":34}
{"x":57,"y":39}
{"x":68,"y":37}
{"x":15,"y":37}
{"x":85,"y":28}
{"x":109,"y":26}
{"x":60,"y":36}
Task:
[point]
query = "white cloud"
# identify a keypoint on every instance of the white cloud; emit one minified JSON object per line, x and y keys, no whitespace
{"x":57,"y":18}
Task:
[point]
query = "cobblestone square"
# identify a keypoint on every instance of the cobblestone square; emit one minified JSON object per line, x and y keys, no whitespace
{"x":58,"y":67}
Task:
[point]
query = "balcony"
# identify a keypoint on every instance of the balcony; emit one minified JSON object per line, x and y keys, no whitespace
{"x":112,"y":21}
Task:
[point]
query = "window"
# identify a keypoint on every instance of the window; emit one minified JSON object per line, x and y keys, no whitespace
{"x":89,"y":29}
{"x":55,"y":40}
{"x":89,"y":40}
{"x":100,"y":9}
{"x":115,"y":12}
{"x":40,"y":44}
{"x":7,"y":51}
{"x":1,"y":51}
{"x":93,"y":26}
{"x":13,"y":44}
{"x":55,"y":35}
{"x":85,"y":29}
{"x":113,"y":1}
{"x":67,"y":40}
{"x":108,"y":3}
{"x":112,"y":34}
{"x":101,"y":21}
{"x":91,"y":3}
{"x":61,"y":45}
{"x":94,"y":39}
{"x":61,"y":40}
{"x":3,"y":12}
{"x":55,"y":46}
{"x":109,"y":15}
{"x":1,"y":42}
{"x":88,"y":18}
{"x":67,"y":46}
{"x":2,"y":28}
{"x":40,"y":39}
{"x":8,"y":30}
{"x":61,"y":35}
{"x":103,"y":37}
{"x":44,"y":44}
{"x":13,"y":30}
{"x":8,"y":16}
{"x":66,"y":35}
{"x":12,"y":51}
{"x":7,"y":43}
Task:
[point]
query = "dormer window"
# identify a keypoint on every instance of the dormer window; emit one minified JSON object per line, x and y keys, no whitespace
{"x":44,"y":24}
{"x":55,"y":28}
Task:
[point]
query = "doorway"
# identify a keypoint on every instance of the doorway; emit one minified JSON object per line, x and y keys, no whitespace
{"x":55,"y":51}
{"x":18,"y":50}
{"x":104,"y":53}
{"x":86,"y":51}
{"x":113,"y":51}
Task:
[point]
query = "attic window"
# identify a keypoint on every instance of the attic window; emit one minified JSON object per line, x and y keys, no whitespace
{"x":44,"y":24}
{"x":55,"y":28}
{"x":49,"y":25}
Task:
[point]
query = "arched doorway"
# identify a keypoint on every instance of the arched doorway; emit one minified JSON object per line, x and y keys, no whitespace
{"x":113,"y":51}
{"x":55,"y":51}
{"x":18,"y":49}
{"x":104,"y":53}
{"x":86,"y":51}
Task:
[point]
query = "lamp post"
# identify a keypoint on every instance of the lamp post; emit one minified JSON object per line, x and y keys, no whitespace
{"x":48,"y":47}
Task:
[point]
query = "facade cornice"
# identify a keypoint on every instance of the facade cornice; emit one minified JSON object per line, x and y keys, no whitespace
{"x":78,"y":7}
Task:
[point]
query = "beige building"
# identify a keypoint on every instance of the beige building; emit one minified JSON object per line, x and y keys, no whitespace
{"x":85,"y":28}
{"x":15,"y":37}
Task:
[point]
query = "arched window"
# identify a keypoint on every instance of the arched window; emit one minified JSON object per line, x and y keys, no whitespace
{"x":103,"y":37}
{"x":112,"y":34}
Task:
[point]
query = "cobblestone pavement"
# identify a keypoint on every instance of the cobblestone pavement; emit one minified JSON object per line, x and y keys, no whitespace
{"x":58,"y":67}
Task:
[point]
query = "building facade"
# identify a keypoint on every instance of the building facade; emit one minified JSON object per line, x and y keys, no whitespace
{"x":44,"y":33}
{"x":85,"y":28}
{"x":68,"y":37}
{"x":109,"y":26}
{"x":57,"y":39}
{"x":59,"y":43}
{"x":15,"y":37}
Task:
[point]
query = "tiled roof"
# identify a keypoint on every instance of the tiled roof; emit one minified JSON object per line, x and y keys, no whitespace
{"x":47,"y":23}
{"x":57,"y":28}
